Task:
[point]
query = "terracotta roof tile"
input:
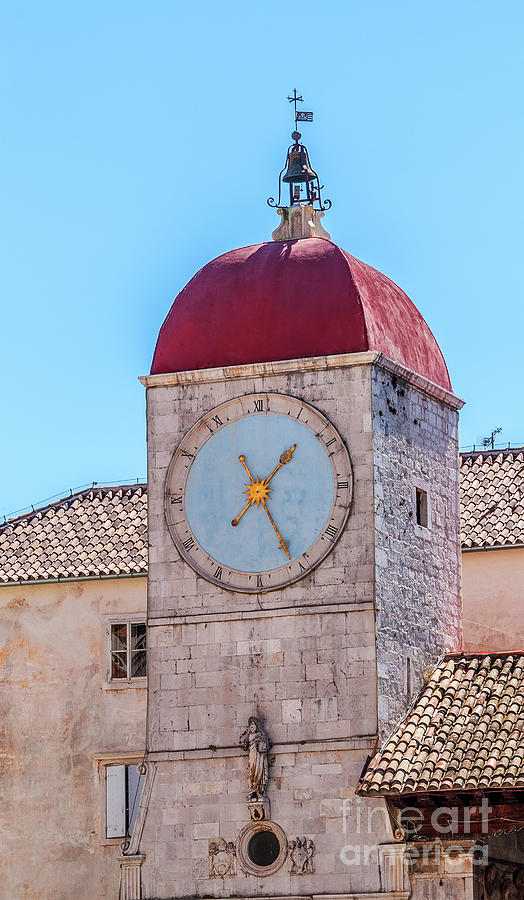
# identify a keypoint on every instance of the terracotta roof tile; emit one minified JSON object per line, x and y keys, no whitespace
{"x":492,"y":498}
{"x":101,"y":531}
{"x":464,"y":732}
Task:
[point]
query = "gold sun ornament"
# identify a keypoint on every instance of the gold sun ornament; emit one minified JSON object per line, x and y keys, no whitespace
{"x":258,"y":492}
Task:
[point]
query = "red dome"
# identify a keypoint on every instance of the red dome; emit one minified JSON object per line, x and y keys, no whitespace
{"x":289,"y":300}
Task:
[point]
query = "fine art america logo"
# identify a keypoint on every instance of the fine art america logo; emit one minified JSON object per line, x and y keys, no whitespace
{"x":366,"y":824}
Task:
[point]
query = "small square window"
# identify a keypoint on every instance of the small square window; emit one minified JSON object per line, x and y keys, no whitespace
{"x":422,"y":507}
{"x":123,"y":789}
{"x":128,"y":650}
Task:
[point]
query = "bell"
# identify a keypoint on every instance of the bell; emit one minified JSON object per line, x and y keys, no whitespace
{"x":298,"y":166}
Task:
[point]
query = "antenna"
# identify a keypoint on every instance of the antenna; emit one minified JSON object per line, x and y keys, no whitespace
{"x":488,"y":442}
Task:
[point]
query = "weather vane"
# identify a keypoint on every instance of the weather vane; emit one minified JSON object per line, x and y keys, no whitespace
{"x":300,"y":114}
{"x":304,"y":184}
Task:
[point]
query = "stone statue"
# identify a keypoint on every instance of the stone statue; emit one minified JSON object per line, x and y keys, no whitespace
{"x":310,"y":866}
{"x":256,"y":742}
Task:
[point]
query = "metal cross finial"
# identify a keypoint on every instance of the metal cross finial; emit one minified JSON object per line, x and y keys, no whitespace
{"x":300,"y":115}
{"x":296,"y":98}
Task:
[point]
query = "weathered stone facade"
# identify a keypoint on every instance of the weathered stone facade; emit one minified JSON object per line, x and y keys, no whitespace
{"x":305,"y":659}
{"x":417,"y":587}
{"x":344,"y":396}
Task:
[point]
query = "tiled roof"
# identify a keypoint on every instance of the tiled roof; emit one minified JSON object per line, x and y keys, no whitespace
{"x":464,"y":732}
{"x":492,"y":498}
{"x":102,"y":531}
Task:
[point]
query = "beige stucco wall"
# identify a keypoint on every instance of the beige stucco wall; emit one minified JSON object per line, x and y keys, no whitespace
{"x":56,"y":716}
{"x":493,"y":599}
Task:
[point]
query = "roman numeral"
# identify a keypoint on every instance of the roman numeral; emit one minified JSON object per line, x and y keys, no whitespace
{"x":301,"y":411}
{"x":332,"y":441}
{"x":187,"y":455}
{"x":301,"y":567}
{"x":331,"y":531}
{"x":176,"y":499}
{"x":218,"y":573}
{"x":189,"y":543}
{"x":342,"y":484}
{"x":259,"y":405}
{"x":218,"y":421}
{"x":259,"y":581}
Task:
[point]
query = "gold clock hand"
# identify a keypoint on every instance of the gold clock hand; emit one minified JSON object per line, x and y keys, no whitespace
{"x":250,"y":493}
{"x":285,"y":457}
{"x":242,"y":459}
{"x":257,"y":491}
{"x":235,"y":522}
{"x":282,"y":543}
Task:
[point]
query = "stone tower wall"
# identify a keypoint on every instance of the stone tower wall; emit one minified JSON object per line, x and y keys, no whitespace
{"x":417,"y":594}
{"x":344,"y":396}
{"x":302,"y":659}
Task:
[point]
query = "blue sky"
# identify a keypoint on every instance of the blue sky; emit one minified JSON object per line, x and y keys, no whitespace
{"x":141,"y":140}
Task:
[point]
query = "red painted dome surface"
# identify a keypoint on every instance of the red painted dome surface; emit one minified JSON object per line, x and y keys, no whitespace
{"x":289,"y":300}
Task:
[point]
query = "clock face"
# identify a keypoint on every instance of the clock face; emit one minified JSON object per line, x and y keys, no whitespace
{"x":258,"y":492}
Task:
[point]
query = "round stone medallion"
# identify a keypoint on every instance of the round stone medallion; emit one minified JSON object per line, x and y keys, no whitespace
{"x":262,"y":848}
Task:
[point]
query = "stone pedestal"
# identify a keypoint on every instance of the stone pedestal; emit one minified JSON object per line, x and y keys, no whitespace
{"x":130,"y":882}
{"x":394,"y":867}
{"x":299,"y":222}
{"x":259,"y":809}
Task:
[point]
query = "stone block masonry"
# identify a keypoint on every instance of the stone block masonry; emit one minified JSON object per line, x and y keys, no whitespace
{"x":417,"y":568}
{"x":323,"y":663}
{"x":198,"y":799}
{"x":346,"y":575}
{"x":310,"y":676}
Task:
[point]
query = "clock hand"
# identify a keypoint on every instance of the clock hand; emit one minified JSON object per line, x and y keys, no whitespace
{"x":246,"y":507}
{"x":257,"y":491}
{"x":242,"y":459}
{"x":285,"y":457}
{"x":283,"y":544}
{"x":253,"y":491}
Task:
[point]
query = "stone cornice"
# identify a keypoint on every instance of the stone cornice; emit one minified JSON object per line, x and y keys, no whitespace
{"x":418,"y":381}
{"x":366,"y":742}
{"x":262,"y":612}
{"x":312,"y":363}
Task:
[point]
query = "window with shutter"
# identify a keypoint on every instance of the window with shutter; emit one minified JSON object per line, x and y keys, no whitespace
{"x":115,"y":801}
{"x":123,"y":788}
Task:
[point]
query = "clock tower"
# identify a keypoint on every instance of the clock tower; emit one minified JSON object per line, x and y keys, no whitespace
{"x":303,"y":564}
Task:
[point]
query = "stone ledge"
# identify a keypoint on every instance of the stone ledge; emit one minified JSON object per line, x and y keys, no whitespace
{"x":386,"y":895}
{"x":268,"y":612}
{"x":312,"y":363}
{"x":362,"y":742}
{"x":254,"y":370}
{"x":382,"y":895}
